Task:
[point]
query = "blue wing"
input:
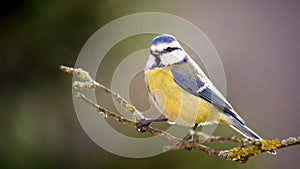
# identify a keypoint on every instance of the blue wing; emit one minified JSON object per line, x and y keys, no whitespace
{"x":193,"y":85}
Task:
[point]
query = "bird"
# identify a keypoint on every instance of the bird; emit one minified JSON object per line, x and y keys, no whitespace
{"x":182,"y":92}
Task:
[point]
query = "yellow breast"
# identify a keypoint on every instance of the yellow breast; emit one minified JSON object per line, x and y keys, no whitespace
{"x":176,"y":104}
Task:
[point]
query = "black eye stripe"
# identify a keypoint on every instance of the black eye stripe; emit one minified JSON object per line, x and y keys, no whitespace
{"x":170,"y":49}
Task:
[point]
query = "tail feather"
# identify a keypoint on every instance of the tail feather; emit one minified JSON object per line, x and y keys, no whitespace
{"x":244,"y":130}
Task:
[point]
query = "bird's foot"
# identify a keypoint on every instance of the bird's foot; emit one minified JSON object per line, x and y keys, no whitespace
{"x":190,"y":136}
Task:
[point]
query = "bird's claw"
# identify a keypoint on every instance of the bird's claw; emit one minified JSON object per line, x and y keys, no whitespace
{"x":188,"y":139}
{"x":143,"y":123}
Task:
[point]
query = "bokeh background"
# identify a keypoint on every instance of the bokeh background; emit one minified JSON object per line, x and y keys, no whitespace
{"x":258,"y":42}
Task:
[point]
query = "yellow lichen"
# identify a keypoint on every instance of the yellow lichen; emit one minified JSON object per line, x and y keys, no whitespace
{"x":243,"y":153}
{"x":129,"y":107}
{"x":238,"y":154}
{"x":270,"y":144}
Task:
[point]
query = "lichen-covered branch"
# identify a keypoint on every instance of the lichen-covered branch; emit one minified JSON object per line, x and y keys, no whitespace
{"x":247,"y":149}
{"x":88,"y":83}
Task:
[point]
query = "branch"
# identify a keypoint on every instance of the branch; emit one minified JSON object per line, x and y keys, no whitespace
{"x":242,"y":154}
{"x":88,"y":83}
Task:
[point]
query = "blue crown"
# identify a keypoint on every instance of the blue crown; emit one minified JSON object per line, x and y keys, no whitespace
{"x":164,"y":38}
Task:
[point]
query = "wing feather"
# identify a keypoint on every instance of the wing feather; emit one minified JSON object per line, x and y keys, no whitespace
{"x":192,"y":85}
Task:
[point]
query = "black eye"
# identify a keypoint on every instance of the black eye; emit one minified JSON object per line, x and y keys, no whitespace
{"x":169,"y":49}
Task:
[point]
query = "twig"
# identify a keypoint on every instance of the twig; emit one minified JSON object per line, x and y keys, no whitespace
{"x":240,"y":154}
{"x":103,"y":111}
{"x":88,"y":83}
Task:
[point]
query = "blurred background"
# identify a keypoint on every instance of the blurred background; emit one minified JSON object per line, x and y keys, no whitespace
{"x":258,"y":42}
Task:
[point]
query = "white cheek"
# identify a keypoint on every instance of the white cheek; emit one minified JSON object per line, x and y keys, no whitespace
{"x":172,"y":58}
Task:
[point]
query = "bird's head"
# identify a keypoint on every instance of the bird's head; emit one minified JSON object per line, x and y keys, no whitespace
{"x":165,"y":50}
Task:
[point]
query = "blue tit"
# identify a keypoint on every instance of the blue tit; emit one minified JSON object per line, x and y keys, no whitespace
{"x":181,"y":91}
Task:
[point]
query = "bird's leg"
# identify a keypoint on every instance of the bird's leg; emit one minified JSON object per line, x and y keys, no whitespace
{"x":147,"y":121}
{"x":190,"y":137}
